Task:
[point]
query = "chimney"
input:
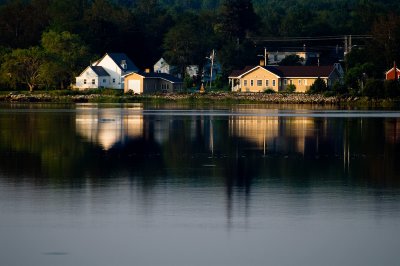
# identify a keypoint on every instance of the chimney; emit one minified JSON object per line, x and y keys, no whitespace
{"x":262,"y":62}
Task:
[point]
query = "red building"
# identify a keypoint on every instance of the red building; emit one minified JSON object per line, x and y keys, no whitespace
{"x":392,"y":74}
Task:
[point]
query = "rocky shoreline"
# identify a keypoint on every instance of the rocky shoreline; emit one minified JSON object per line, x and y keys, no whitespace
{"x":217,"y":97}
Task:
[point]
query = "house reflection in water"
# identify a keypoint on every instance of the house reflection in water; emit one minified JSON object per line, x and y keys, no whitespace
{"x":392,"y":131}
{"x":274,"y":133}
{"x":108,"y":126}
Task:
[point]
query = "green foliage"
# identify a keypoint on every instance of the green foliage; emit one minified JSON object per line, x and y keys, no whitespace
{"x":66,"y":54}
{"x":269,"y":91}
{"x":186,"y":31}
{"x":291,"y":60}
{"x":188,"y":42}
{"x":22,"y":66}
{"x":339,"y":88}
{"x":188,"y":82}
{"x":356,"y":76}
{"x":236,"y":19}
{"x":373,"y":88}
{"x":392,"y":88}
{"x":290,"y":88}
{"x":319,"y":86}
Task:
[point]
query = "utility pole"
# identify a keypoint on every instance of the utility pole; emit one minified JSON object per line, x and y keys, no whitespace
{"x":212,"y":56}
{"x":265,"y":57}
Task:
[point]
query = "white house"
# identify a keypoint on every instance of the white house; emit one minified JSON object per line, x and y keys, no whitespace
{"x":162,"y":66}
{"x":107,"y":72}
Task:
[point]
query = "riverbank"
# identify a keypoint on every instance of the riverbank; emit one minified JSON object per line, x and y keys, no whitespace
{"x":212,"y":97}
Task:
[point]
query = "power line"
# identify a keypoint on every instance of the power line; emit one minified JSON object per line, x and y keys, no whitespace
{"x":305,"y":38}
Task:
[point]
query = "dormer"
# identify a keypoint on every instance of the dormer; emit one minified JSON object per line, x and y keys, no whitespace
{"x":124,"y":65}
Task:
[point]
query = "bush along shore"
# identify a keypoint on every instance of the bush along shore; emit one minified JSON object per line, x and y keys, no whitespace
{"x":211,"y":97}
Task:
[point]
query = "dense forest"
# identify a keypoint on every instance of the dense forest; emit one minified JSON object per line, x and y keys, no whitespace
{"x":58,"y":38}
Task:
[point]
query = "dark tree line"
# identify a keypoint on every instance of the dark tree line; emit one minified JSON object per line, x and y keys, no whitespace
{"x":184,"y":32}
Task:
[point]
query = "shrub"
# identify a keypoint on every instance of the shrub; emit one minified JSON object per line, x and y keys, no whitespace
{"x":391,"y":88}
{"x":339,"y":88}
{"x":318,"y":86}
{"x":269,"y":91}
{"x":290,"y":88}
{"x":373,"y":88}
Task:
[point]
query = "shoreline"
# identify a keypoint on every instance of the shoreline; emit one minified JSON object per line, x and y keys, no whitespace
{"x":211,"y":97}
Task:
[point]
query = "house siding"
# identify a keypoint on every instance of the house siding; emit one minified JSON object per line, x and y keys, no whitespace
{"x":249,"y":82}
{"x":151,"y":85}
{"x":390,"y":75}
{"x":89,"y":75}
{"x":115,"y":72}
{"x":259,"y":79}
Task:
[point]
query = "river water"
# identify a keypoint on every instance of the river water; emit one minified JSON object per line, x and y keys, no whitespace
{"x":241,"y":185}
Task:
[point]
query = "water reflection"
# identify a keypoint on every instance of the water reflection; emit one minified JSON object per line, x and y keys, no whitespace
{"x":157,"y":179}
{"x":107,"y":126}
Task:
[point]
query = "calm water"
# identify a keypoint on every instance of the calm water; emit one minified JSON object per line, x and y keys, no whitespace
{"x":245,"y":185}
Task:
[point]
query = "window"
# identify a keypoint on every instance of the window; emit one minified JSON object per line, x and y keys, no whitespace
{"x":299,"y":81}
{"x":104,"y":80}
{"x":251,"y":82}
{"x":266,"y":82}
{"x":305,"y":82}
{"x":290,"y":82}
{"x":84,"y":81}
{"x":113,"y":80}
{"x":259,"y":82}
{"x":273,"y":83}
{"x":245,"y":83}
{"x":285,"y":82}
{"x":93,"y":81}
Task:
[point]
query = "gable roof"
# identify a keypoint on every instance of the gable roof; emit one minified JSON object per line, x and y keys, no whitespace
{"x":301,"y":71}
{"x":289,"y":71}
{"x":118,"y":58}
{"x":164,"y":76}
{"x":237,"y":73}
{"x":100,"y":71}
{"x":390,"y":70}
{"x":153,"y":75}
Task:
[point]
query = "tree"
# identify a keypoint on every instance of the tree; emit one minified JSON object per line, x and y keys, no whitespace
{"x":65,"y":55}
{"x":373,"y":88}
{"x":22,"y":66}
{"x":386,"y":41}
{"x":318,"y":86}
{"x":290,"y":88}
{"x":392,"y":88}
{"x":188,"y":42}
{"x":291,"y":60}
{"x":237,"y":19}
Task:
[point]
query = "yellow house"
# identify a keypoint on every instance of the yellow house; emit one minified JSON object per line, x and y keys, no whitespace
{"x":277,"y":78}
{"x":146,"y":82}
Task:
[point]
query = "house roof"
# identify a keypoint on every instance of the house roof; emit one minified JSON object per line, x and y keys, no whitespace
{"x":301,"y":71}
{"x":100,"y":71}
{"x":164,"y":76}
{"x":289,"y":71}
{"x":237,"y":73}
{"x":390,"y":70}
{"x":118,"y":58}
{"x":153,"y":75}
